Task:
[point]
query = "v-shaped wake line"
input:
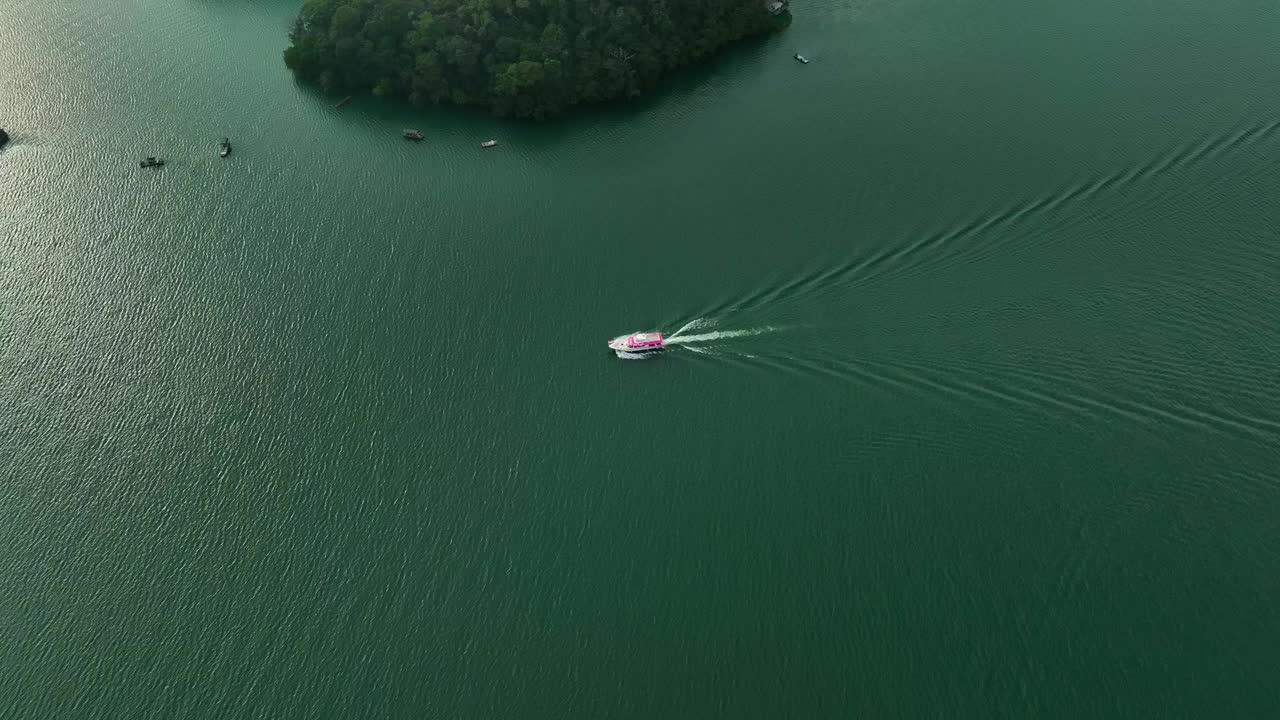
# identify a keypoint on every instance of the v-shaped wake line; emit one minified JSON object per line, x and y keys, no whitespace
{"x":718,"y":335}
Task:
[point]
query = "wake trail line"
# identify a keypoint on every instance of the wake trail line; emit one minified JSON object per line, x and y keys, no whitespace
{"x":694,"y":324}
{"x":954,"y":244}
{"x":718,"y":335}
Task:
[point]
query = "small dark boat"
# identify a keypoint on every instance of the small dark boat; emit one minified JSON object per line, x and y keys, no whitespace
{"x":4,"y":137}
{"x":224,"y":148}
{"x":412,"y":134}
{"x":802,"y":58}
{"x":488,"y":143}
{"x":152,"y":162}
{"x":343,"y":101}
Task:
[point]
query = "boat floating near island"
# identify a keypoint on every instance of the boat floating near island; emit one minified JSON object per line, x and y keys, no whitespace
{"x":412,"y":134}
{"x":488,"y":143}
{"x":638,"y":343}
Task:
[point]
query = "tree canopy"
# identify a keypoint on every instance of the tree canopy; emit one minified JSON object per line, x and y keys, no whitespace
{"x":522,"y":58}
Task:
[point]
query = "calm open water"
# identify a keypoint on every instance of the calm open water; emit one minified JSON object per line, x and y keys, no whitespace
{"x":976,"y":411}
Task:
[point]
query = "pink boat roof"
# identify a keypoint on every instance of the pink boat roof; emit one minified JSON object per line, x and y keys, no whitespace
{"x":645,"y":339}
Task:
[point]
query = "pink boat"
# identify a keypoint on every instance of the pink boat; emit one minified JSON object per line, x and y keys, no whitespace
{"x":644,"y":342}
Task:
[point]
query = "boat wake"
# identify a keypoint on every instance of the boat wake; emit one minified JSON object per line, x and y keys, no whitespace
{"x":695,"y":324}
{"x":634,"y":356}
{"x":973,"y":240}
{"x":716,"y":335}
{"x":699,"y":350}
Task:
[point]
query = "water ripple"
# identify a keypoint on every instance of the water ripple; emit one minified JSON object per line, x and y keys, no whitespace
{"x":922,"y":254}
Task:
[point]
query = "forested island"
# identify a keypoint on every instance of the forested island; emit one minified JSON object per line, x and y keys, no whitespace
{"x":521,"y":58}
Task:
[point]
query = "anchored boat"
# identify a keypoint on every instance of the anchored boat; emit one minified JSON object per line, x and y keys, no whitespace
{"x":412,"y":134}
{"x":151,"y":162}
{"x":224,"y":147}
{"x":641,"y":342}
{"x":488,"y":143}
{"x":802,"y":58}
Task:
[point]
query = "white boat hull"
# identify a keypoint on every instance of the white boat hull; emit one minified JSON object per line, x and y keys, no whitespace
{"x":619,"y":344}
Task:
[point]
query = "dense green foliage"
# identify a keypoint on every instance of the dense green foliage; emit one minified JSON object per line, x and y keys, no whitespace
{"x":527,"y":58}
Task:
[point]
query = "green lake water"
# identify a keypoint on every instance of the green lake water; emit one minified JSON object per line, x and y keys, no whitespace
{"x":974,"y":409}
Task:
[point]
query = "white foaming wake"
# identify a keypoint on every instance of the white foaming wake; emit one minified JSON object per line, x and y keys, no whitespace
{"x":691,"y":325}
{"x":634,"y":356}
{"x":718,"y":335}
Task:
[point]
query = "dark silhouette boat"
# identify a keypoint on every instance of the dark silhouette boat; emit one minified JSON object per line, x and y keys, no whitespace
{"x":224,"y":147}
{"x":412,"y":134}
{"x":152,"y":162}
{"x":4,"y":137}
